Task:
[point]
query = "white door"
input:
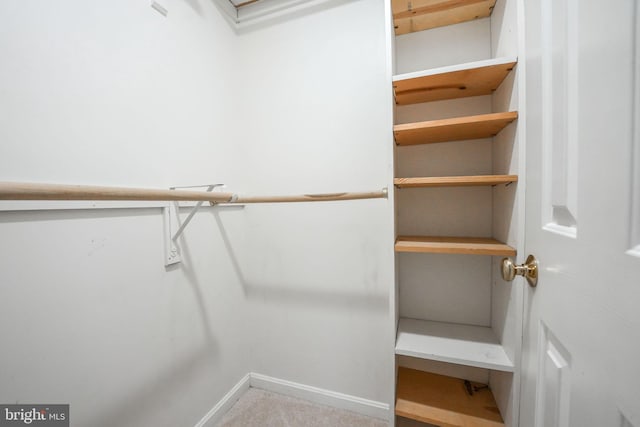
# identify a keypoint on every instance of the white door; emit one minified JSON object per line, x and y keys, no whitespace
{"x":581,"y":352}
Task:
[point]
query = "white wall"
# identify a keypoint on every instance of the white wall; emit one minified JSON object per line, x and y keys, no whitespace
{"x":443,"y":46}
{"x":319,"y":278}
{"x":116,"y":94}
{"x":113,"y":93}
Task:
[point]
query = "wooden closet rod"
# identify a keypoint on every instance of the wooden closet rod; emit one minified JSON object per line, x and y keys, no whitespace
{"x":31,"y":191}
{"x":313,"y":197}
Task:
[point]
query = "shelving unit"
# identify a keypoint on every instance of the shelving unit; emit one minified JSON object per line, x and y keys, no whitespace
{"x":454,"y":181}
{"x":444,"y":401}
{"x":410,"y":16}
{"x":439,"y":330}
{"x":453,"y":245}
{"x":449,"y":342}
{"x":458,"y":81}
{"x":456,"y":129}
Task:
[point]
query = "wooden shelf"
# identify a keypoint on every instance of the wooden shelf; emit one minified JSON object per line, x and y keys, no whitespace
{"x":458,"y":81}
{"x":453,"y":245}
{"x":444,"y":401}
{"x":449,"y":342}
{"x":418,"y":15}
{"x":456,"y":129}
{"x":454,"y":181}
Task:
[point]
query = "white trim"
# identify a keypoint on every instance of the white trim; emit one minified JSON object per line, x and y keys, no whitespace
{"x":634,"y":226}
{"x":317,"y":395}
{"x":561,"y":230}
{"x":321,"y":396}
{"x":222,"y":407}
{"x":229,"y":11}
{"x":265,"y":10}
{"x":457,"y":67}
{"x":261,"y":9}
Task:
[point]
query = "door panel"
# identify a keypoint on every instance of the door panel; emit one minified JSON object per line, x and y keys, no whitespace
{"x":581,"y":346}
{"x":554,"y":379}
{"x":559,"y":63}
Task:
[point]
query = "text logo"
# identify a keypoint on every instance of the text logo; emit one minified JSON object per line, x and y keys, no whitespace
{"x":34,"y":415}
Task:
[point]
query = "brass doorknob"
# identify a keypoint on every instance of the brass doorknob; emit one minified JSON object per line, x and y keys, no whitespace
{"x":529,"y":270}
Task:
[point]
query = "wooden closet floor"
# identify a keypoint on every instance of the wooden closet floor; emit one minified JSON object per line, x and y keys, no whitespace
{"x":405,"y":422}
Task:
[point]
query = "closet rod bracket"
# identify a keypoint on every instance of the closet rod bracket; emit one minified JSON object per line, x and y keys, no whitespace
{"x":173,"y":227}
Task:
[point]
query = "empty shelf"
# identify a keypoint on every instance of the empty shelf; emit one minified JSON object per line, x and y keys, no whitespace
{"x":458,"y":81}
{"x":456,"y":129}
{"x":444,"y":401}
{"x":453,"y":245}
{"x":454,"y":181}
{"x":448,"y":342}
{"x":417,"y":15}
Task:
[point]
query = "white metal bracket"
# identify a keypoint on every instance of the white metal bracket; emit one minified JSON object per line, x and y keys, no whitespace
{"x":171,"y":251}
{"x":173,"y":228}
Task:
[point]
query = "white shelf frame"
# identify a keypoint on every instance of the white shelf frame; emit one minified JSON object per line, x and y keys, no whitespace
{"x":456,"y":67}
{"x":467,"y":345}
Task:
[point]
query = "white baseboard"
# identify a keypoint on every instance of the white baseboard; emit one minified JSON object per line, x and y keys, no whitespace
{"x":321,"y":396}
{"x":217,"y":412}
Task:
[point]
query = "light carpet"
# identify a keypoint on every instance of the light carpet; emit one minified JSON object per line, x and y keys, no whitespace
{"x":259,"y":408}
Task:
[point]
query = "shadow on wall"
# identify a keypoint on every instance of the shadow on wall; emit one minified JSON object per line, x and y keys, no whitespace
{"x":92,"y":214}
{"x":190,"y":274}
{"x":154,"y":396}
{"x":300,"y":296}
{"x":177,"y":380}
{"x":141,"y":398}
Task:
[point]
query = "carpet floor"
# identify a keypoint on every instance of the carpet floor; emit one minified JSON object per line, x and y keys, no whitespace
{"x":259,"y":408}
